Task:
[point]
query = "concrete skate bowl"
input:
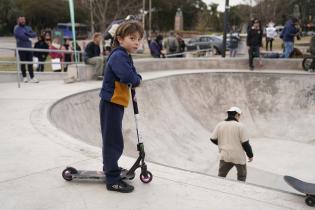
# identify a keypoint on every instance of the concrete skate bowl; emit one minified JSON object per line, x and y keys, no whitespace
{"x":179,"y":112}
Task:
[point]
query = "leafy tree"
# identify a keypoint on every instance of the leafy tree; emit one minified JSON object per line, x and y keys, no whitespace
{"x":8,"y":13}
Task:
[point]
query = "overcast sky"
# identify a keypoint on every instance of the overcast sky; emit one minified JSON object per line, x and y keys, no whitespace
{"x":222,"y":3}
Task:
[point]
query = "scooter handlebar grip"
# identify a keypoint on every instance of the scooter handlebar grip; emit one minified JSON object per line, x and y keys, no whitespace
{"x":134,"y":101}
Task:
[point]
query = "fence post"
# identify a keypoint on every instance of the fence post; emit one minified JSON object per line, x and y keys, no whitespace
{"x":18,"y":66}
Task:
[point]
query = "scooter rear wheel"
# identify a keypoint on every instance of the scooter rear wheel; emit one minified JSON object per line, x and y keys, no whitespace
{"x":67,"y":173}
{"x":146,"y":177}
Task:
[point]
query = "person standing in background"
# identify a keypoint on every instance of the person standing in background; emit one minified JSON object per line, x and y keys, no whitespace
{"x":23,"y":34}
{"x":42,"y":56}
{"x":234,"y":39}
{"x":171,"y":44}
{"x":156,"y":47}
{"x":181,"y":45}
{"x":290,"y":30}
{"x":67,"y":56}
{"x":271,"y":34}
{"x":254,"y":42}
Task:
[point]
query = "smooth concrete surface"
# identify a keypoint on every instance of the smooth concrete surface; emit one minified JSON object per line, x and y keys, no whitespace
{"x":34,"y":152}
{"x":179,"y":113}
{"x":145,"y":65}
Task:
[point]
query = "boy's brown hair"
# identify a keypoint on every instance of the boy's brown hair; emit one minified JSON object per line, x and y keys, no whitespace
{"x":127,"y":28}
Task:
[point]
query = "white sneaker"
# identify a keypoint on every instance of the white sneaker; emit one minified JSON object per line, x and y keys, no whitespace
{"x":34,"y":80}
{"x":25,"y":80}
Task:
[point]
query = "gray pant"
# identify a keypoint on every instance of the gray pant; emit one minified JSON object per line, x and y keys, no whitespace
{"x":99,"y":64}
{"x":225,"y":167}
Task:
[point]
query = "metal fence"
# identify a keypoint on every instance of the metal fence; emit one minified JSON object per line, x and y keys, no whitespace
{"x":18,"y":62}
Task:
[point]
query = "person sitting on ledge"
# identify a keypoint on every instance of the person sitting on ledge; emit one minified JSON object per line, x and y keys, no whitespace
{"x":92,"y":54}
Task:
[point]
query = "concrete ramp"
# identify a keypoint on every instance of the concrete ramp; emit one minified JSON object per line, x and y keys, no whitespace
{"x":178,"y":114}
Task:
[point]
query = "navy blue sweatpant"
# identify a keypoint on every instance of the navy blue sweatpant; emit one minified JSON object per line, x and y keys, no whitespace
{"x":111,"y":116}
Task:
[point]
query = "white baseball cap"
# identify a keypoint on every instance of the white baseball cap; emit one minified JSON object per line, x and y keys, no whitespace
{"x":235,"y":109}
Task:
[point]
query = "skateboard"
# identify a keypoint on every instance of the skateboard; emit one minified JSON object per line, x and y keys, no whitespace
{"x":303,"y":187}
{"x":71,"y":173}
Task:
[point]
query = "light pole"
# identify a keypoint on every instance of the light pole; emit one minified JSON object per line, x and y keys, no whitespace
{"x":143,"y":13}
{"x":251,"y":8}
{"x":150,"y":16}
{"x":92,"y":19}
{"x":226,"y":23}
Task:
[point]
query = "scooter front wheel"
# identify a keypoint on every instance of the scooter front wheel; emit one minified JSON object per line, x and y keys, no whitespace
{"x":146,"y":177}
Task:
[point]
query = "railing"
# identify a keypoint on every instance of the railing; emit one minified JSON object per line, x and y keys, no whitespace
{"x":18,"y":62}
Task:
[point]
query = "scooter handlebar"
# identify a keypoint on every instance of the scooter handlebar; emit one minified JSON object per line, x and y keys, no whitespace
{"x":134,"y":101}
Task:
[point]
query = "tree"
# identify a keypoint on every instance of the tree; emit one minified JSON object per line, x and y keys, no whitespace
{"x":105,"y":11}
{"x":214,"y":17}
{"x":165,"y":10}
{"x":8,"y":13}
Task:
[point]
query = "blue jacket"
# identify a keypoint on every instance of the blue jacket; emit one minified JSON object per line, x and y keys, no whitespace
{"x":119,"y":72}
{"x":289,"y":31}
{"x":22,"y":35}
{"x":155,"y":49}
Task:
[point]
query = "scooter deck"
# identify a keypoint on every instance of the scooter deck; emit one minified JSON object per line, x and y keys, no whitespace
{"x":97,"y":175}
{"x":301,"y":186}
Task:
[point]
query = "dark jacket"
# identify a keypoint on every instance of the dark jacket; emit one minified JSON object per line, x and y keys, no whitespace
{"x":289,"y":32}
{"x":312,"y":47}
{"x":155,"y":49}
{"x":91,"y":50}
{"x":181,"y":44}
{"x":41,"y":45}
{"x":22,"y":35}
{"x":119,"y":72}
{"x":254,"y":38}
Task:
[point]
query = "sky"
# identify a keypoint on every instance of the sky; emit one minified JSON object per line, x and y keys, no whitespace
{"x":222,"y":3}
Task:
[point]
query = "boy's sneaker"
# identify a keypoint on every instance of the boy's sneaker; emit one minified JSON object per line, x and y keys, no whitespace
{"x":34,"y":80}
{"x":120,"y":186}
{"x":25,"y":80}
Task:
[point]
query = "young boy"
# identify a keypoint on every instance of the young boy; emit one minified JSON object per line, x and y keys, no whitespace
{"x":120,"y":74}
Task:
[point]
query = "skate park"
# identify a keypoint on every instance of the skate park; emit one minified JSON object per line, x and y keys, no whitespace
{"x":50,"y":119}
{"x":58,"y":127}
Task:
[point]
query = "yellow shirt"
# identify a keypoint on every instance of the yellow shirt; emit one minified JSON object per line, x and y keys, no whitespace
{"x":231,"y":135}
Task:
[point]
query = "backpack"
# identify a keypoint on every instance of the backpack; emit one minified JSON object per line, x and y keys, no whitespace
{"x":172,"y":46}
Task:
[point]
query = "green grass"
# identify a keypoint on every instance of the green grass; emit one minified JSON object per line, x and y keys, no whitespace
{"x":12,"y":67}
{"x":277,"y":44}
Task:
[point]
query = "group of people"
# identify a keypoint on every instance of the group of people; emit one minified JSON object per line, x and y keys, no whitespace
{"x":255,"y":36}
{"x":172,"y":46}
{"x":60,"y":60}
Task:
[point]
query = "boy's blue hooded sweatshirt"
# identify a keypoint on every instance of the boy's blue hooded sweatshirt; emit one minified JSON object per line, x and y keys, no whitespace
{"x":119,"y":72}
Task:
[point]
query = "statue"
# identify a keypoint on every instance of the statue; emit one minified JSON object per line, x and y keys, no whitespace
{"x":179,"y":22}
{"x":296,"y":11}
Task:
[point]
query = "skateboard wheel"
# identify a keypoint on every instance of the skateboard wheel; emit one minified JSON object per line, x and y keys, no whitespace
{"x":146,"y":177}
{"x":310,"y":201}
{"x":67,"y":173}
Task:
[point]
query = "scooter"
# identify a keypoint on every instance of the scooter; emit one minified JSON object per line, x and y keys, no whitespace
{"x":146,"y":176}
